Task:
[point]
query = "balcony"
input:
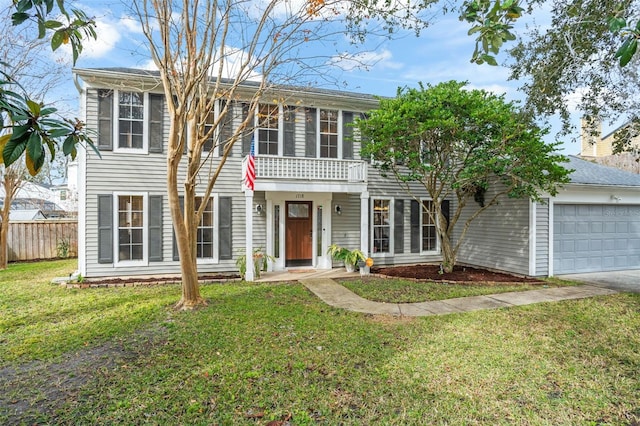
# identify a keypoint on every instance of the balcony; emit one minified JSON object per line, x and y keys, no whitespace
{"x":309,"y":169}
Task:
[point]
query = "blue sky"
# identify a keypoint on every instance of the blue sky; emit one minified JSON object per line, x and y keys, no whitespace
{"x":441,"y":53}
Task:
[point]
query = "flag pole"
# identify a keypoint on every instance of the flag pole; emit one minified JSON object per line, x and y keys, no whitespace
{"x":249,"y":184}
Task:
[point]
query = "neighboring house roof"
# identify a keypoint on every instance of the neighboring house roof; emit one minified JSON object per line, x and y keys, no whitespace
{"x":32,"y":214}
{"x":588,"y":173}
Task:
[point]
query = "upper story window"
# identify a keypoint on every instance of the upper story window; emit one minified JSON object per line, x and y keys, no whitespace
{"x":209,"y":144}
{"x":268,"y":124}
{"x":328,"y":133}
{"x":130,"y":120}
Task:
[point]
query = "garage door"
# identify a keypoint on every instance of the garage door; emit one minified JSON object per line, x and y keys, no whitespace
{"x":592,"y":238}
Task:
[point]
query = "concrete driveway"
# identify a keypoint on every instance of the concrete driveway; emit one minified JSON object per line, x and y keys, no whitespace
{"x":626,"y":281}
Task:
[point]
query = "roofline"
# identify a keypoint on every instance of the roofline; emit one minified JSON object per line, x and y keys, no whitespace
{"x":367,"y":101}
{"x":602,"y":186}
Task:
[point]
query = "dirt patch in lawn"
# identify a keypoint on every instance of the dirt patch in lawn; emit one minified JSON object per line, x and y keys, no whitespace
{"x":460,"y":274}
{"x":37,"y":389}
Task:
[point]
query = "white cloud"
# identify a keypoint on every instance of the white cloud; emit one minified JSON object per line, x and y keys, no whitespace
{"x":109,"y":34}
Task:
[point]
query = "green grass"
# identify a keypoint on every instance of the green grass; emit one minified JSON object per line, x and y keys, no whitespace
{"x":262,"y":352}
{"x":397,"y":290}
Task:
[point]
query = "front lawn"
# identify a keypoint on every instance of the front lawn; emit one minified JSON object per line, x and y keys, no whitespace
{"x":264,"y":352}
{"x":398,"y":290}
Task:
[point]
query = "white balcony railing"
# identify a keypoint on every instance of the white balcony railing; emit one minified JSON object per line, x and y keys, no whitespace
{"x":310,"y":169}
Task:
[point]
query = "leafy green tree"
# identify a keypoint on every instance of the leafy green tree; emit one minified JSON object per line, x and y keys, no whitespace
{"x":459,"y":145}
{"x":30,"y":127}
{"x":575,"y":64}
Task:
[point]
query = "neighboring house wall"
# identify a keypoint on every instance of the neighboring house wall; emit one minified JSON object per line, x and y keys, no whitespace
{"x":599,"y":148}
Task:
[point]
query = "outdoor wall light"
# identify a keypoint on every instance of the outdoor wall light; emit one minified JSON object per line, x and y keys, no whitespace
{"x":338,"y":209}
{"x":615,"y":198}
{"x":259,"y":209}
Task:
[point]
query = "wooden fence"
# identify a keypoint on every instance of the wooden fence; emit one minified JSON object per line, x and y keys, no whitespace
{"x":42,"y":239}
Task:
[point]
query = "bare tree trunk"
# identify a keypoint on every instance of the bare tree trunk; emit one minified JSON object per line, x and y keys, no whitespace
{"x":12,"y":180}
{"x":191,"y":297}
{"x":4,"y":235}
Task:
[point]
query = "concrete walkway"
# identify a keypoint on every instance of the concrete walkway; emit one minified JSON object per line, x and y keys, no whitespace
{"x":336,"y":295}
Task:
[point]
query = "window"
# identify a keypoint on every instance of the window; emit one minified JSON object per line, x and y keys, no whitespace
{"x":328,"y":133}
{"x":268,"y":129}
{"x":130,"y":227}
{"x":276,"y":231}
{"x":156,"y":114}
{"x":204,"y":243}
{"x":130,"y":120}
{"x":208,"y":127}
{"x":428,"y":226}
{"x":381,"y":226}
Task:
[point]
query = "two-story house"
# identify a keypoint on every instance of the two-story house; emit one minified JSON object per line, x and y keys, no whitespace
{"x":312,"y":189}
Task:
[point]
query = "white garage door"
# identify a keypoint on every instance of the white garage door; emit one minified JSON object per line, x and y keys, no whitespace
{"x":593,"y":237}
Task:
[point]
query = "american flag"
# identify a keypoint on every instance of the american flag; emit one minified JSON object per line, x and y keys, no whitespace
{"x":250,"y":171}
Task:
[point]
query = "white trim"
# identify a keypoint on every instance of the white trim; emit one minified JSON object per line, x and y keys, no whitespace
{"x":551,"y":225}
{"x":145,"y":230}
{"x":532,"y":237}
{"x":216,"y":229}
{"x":82,"y":194}
{"x":437,"y":225}
{"x":116,"y":124}
{"x":389,"y":253}
{"x":319,"y":260}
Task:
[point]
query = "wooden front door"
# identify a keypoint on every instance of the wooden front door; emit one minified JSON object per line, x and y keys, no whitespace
{"x":299,"y":233}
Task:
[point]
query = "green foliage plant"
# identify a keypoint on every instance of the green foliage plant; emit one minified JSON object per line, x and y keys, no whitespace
{"x":62,"y":248}
{"x":349,"y":257}
{"x":457,"y":144}
{"x":260,"y":263}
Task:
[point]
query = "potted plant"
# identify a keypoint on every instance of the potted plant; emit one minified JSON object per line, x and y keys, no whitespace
{"x":349,"y":257}
{"x":259,"y":263}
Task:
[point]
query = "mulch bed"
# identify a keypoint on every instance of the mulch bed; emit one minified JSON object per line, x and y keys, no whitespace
{"x":459,"y":274}
{"x":141,"y":281}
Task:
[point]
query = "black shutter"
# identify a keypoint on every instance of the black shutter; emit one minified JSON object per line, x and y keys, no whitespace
{"x":247,"y":135}
{"x":226,"y":128}
{"x":444,"y":208}
{"x":156,"y":119}
{"x":289,"y":131}
{"x":363,"y":141}
{"x":347,"y":135}
{"x":310,"y":133}
{"x":155,"y":228}
{"x":398,"y":226}
{"x":176,"y":255}
{"x":105,"y":228}
{"x":415,"y":226}
{"x":105,"y":120}
{"x":224,"y":228}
